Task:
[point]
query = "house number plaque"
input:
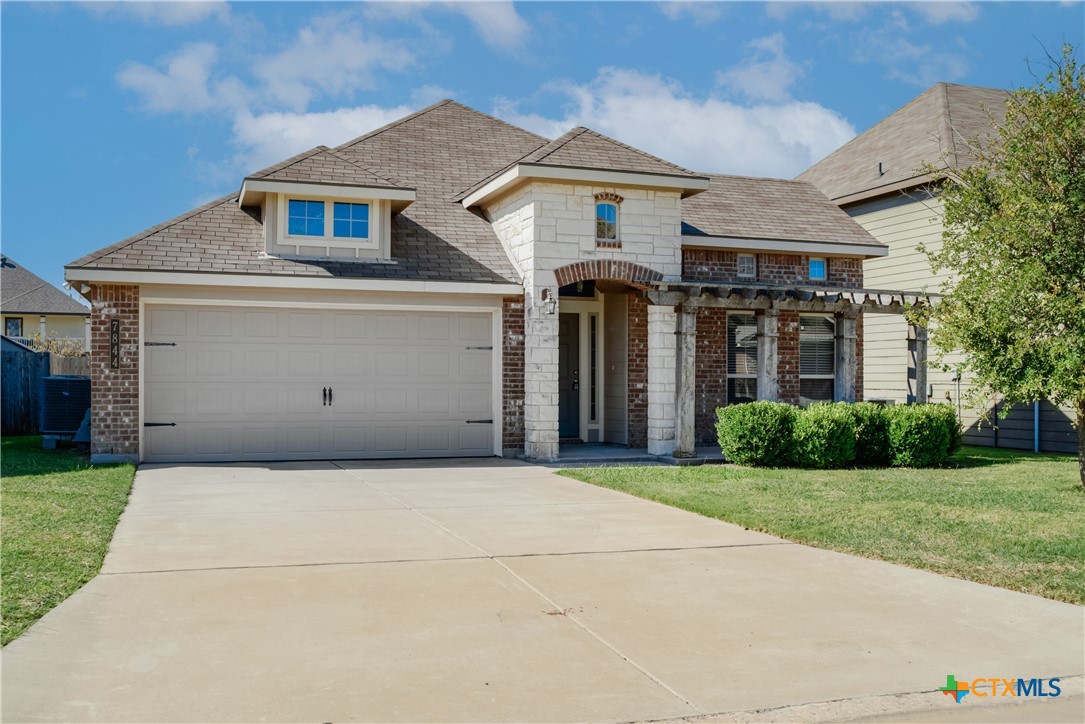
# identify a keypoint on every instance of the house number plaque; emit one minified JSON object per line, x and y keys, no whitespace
{"x":114,"y":343}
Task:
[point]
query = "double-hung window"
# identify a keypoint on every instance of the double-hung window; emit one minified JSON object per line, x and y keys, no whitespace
{"x":741,"y":358}
{"x":350,"y":221}
{"x":606,"y":222}
{"x":305,"y":218}
{"x":817,"y":359}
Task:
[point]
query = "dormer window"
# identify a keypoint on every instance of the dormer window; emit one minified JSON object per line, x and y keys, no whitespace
{"x":306,"y":218}
{"x":351,"y":221}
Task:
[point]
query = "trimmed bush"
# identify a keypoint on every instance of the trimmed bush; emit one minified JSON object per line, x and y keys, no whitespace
{"x":824,"y":436}
{"x":756,"y":433}
{"x":922,"y":435}
{"x":871,"y":433}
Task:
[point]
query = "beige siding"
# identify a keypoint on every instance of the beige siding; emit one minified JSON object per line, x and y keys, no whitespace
{"x":615,"y":372}
{"x":905,"y":224}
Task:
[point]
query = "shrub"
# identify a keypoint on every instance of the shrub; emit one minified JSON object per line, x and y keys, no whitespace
{"x":824,"y":436}
{"x":871,"y":433}
{"x":922,"y":435}
{"x":756,"y":433}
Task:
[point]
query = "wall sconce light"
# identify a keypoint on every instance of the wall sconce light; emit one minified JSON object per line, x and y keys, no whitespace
{"x":550,"y":301}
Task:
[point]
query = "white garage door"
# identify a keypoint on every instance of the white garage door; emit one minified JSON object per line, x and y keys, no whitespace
{"x":233,"y":383}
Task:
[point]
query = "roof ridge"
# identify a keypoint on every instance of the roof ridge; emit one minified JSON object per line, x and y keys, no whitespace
{"x":393,"y":124}
{"x":342,"y":157}
{"x":639,"y":151}
{"x":139,"y":236}
{"x":479,"y":184}
{"x":947,"y":126}
{"x":287,"y":162}
{"x":9,"y":300}
{"x":495,"y":118}
{"x":564,"y":139}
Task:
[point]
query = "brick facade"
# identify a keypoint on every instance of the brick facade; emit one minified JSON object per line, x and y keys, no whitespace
{"x":718,"y":265}
{"x":512,"y":366}
{"x":787,"y":369}
{"x":637,"y":371}
{"x":711,"y":378}
{"x":114,"y":392}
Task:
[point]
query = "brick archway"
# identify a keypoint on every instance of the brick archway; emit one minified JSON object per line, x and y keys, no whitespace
{"x":626,"y":271}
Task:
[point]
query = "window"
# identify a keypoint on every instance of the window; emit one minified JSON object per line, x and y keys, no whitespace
{"x":747,"y":266}
{"x":13,"y":326}
{"x":350,"y":220}
{"x":306,"y":218}
{"x":818,"y":268}
{"x":741,"y":358}
{"x":817,"y":359}
{"x":606,"y":222}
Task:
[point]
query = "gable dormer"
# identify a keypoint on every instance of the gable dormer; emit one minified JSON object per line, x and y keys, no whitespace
{"x":321,"y":205}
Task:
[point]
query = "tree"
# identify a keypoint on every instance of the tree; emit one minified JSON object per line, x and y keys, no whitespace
{"x":1014,"y":239}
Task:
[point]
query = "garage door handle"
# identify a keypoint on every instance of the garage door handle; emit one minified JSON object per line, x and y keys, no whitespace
{"x":479,"y":422}
{"x":329,"y":397}
{"x":160,"y":424}
{"x":324,"y":397}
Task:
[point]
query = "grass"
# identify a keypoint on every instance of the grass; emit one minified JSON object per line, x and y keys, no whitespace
{"x":1000,"y":517}
{"x":58,"y":515}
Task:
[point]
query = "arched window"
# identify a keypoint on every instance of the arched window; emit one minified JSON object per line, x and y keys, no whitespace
{"x":606,"y":221}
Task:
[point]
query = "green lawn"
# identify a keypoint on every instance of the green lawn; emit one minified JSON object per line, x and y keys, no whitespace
{"x":57,"y":517}
{"x":1004,"y":518}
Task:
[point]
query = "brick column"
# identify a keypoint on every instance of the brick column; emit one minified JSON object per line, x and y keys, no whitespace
{"x":637,"y":351}
{"x":540,"y":376}
{"x":788,"y":363}
{"x":661,"y":379}
{"x":512,"y":371}
{"x":114,"y":393}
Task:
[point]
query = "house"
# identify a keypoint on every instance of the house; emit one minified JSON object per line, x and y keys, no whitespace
{"x":453,"y":285}
{"x":32,"y":306}
{"x":877,"y":178}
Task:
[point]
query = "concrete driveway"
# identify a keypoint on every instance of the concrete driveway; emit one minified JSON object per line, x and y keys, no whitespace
{"x":490,"y":590}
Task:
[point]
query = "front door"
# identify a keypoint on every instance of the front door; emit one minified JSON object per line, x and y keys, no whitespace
{"x":569,"y":375}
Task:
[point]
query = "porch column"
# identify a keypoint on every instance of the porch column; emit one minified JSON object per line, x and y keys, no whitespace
{"x":685,"y":380}
{"x":768,"y":355}
{"x":846,"y":358}
{"x":661,"y":379}
{"x":917,"y":362}
{"x":86,"y":334}
{"x":540,"y":375}
{"x":41,"y":325}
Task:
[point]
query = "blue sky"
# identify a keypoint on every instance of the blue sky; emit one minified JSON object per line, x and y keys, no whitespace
{"x":117,"y":116}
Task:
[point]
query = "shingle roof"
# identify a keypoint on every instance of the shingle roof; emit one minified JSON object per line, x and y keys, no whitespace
{"x":24,"y":292}
{"x":764,"y":208}
{"x":933,"y":128}
{"x":323,"y":165}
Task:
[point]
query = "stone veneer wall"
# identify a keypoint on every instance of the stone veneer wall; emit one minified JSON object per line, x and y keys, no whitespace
{"x":512,"y":367}
{"x":637,"y":371}
{"x":114,"y":393}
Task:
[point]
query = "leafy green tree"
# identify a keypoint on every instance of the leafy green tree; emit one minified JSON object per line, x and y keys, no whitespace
{"x":1014,"y":240}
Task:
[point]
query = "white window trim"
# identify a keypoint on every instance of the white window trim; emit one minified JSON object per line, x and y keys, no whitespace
{"x":328,"y":239}
{"x":617,"y":221}
{"x":825,"y":265}
{"x":727,"y":327}
{"x":739,"y":266}
{"x":832,"y":375}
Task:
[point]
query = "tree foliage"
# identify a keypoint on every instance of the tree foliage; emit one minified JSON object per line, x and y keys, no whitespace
{"x":1014,"y":239}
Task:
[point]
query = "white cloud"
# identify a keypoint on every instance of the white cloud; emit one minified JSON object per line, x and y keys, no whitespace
{"x":840,"y":11}
{"x":701,"y":12}
{"x":183,"y":84}
{"x":918,"y":64}
{"x":936,"y":12}
{"x":267,"y":138}
{"x":163,"y":12}
{"x":499,"y":24}
{"x":714,"y":135}
{"x":767,"y":74}
{"x":330,"y":56}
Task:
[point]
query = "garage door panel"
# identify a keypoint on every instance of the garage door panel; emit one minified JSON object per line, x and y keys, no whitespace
{"x":247,"y":384}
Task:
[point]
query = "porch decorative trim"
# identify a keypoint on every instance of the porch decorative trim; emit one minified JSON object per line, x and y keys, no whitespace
{"x":769,"y":296}
{"x":633,"y":274}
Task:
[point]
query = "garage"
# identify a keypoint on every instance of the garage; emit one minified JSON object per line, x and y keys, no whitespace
{"x":257,"y":383}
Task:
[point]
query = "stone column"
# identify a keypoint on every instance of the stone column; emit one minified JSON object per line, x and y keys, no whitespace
{"x":86,"y":334}
{"x":662,"y":345}
{"x":768,"y":355}
{"x":540,"y":376}
{"x":685,"y":380}
{"x":917,"y":361}
{"x":846,"y":358}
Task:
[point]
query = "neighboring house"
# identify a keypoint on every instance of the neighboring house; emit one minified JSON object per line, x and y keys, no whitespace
{"x":33,"y":307}
{"x":877,"y":179}
{"x":453,"y":285}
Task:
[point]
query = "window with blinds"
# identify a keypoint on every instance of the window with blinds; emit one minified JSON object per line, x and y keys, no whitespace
{"x":817,"y":359}
{"x":741,"y":358}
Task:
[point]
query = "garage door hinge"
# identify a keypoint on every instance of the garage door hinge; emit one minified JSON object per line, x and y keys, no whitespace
{"x":160,"y":424}
{"x":159,"y":344}
{"x":490,"y":348}
{"x":479,"y":422}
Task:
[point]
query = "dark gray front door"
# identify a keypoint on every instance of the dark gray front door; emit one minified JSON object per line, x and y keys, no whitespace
{"x":569,"y":375}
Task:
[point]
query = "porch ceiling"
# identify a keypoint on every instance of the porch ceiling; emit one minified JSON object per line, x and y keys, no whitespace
{"x":773,"y":296}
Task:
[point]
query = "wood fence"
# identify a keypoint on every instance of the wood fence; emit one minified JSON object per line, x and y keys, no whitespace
{"x":69,"y":366}
{"x":20,"y":397}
